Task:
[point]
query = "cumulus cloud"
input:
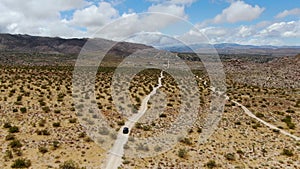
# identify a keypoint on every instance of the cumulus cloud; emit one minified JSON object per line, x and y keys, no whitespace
{"x":263,"y":33}
{"x":170,"y":9}
{"x":37,"y":17}
{"x":282,"y":29}
{"x":94,"y":16}
{"x":178,"y":2}
{"x":238,"y":11}
{"x":285,"y":13}
{"x":129,"y":24}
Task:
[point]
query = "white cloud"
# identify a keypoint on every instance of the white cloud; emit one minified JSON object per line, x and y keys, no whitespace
{"x":170,"y":9}
{"x":177,"y":2}
{"x":114,"y":26}
{"x":129,"y":24}
{"x":263,"y":33}
{"x":44,"y":18}
{"x":285,"y":13}
{"x":238,"y":11}
{"x":282,"y":29}
{"x":94,"y":16}
{"x":37,"y":17}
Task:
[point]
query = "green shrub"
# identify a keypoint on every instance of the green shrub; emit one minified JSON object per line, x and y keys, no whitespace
{"x":57,"y":111}
{"x":43,"y":132}
{"x":21,"y":163}
{"x":259,"y":115}
{"x":7,"y":125}
{"x":10,"y":137}
{"x":289,"y":123}
{"x":230,"y":156}
{"x":15,"y":144}
{"x":290,"y":111}
{"x":186,"y":141}
{"x":69,"y":165}
{"x":23,"y":109}
{"x":55,"y":144}
{"x":42,"y":123}
{"x":121,"y":123}
{"x":211,"y":164}
{"x":43,"y":150}
{"x":182,"y":153}
{"x":13,"y":129}
{"x":287,"y":152}
{"x":146,"y":128}
{"x":126,"y":162}
{"x":8,"y":155}
{"x":56,"y":124}
{"x":72,"y":120}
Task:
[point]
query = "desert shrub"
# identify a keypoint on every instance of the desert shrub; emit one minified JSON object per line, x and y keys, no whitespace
{"x":237,"y":123}
{"x":290,"y":111}
{"x":146,"y":128}
{"x":211,"y":164}
{"x":186,"y":141}
{"x":57,"y":111}
{"x":18,"y":152}
{"x":69,"y":165}
{"x":287,"y":152}
{"x":56,"y":124}
{"x":259,"y":115}
{"x":46,"y":109}
{"x":157,"y":148}
{"x":43,"y":150}
{"x":230,"y":156}
{"x":87,"y":139}
{"x":162,"y":115}
{"x":43,"y":132}
{"x":42,"y":123}
{"x":8,"y":155}
{"x":72,"y":120}
{"x":13,"y":129}
{"x":126,"y":162}
{"x":81,"y":135}
{"x":182,"y":153}
{"x":7,"y":125}
{"x":256,"y":125}
{"x":21,"y":163}
{"x":199,"y":130}
{"x":121,"y":123}
{"x":55,"y":144}
{"x":138,"y":125}
{"x":289,"y":123}
{"x":10,"y":137}
{"x":23,"y":109}
{"x":15,"y":144}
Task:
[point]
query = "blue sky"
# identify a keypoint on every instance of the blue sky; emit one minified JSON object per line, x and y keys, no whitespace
{"x":258,"y":22}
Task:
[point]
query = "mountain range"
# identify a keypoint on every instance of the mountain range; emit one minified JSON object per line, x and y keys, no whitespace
{"x":233,"y":48}
{"x":56,"y":45}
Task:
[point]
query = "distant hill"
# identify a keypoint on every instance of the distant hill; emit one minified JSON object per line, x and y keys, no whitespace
{"x":56,"y":45}
{"x":232,"y":48}
{"x":36,"y":50}
{"x":26,"y":43}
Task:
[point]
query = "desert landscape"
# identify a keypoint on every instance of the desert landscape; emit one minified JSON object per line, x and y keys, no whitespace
{"x":43,"y":127}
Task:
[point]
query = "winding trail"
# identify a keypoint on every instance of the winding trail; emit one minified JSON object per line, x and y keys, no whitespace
{"x":249,"y":113}
{"x":114,"y":159}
